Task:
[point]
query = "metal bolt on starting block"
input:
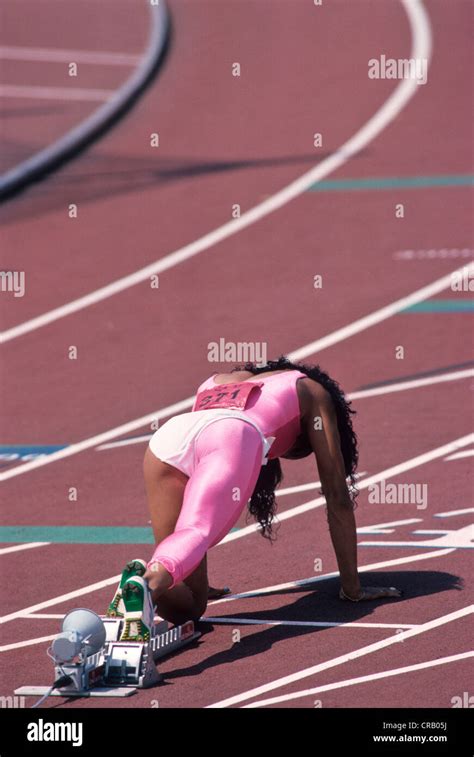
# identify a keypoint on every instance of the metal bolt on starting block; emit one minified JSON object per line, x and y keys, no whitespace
{"x":120,"y":667}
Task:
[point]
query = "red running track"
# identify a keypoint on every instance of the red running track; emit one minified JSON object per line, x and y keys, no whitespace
{"x":225,"y":141}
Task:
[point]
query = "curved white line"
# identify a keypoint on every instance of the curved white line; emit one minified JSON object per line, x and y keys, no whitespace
{"x":421,"y":49}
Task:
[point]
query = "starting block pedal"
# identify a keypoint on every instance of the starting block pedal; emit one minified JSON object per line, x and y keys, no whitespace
{"x":119,"y":668}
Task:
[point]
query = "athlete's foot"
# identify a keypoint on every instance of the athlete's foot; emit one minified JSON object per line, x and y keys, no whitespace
{"x":116,"y":608}
{"x":139,"y":610}
{"x":213,"y":593}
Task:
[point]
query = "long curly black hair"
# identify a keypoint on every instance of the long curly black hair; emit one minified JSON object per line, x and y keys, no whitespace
{"x":262,"y":504}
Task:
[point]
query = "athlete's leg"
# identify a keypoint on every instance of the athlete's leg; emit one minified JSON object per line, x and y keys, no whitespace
{"x":228,"y":461}
{"x":165,"y":486}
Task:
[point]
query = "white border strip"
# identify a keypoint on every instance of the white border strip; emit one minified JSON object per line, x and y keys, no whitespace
{"x":421,"y":49}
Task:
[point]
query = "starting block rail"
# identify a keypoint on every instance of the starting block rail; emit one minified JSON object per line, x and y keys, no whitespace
{"x":120,"y":667}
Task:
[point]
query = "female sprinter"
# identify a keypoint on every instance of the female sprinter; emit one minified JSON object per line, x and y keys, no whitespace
{"x":203,"y":467}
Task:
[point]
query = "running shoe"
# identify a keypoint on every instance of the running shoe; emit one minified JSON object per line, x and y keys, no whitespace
{"x":116,"y":608}
{"x":139,"y":610}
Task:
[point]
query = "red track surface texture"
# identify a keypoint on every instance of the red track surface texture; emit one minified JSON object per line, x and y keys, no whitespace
{"x":226,"y":141}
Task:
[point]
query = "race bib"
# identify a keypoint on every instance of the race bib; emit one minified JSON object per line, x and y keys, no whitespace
{"x":229,"y":396}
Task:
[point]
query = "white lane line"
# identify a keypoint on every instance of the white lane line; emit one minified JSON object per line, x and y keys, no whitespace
{"x":449,"y":513}
{"x":29,"y":612}
{"x":298,"y":489}
{"x":56,"y":93}
{"x":413,"y":384}
{"x":463,"y":538}
{"x":43,"y":615}
{"x":58,"y":615}
{"x":363,"y":394}
{"x":20,"y":547}
{"x":429,"y":531}
{"x":316,"y":579}
{"x":378,"y":316}
{"x":257,"y":621}
{"x":361,"y":679}
{"x":414,"y":462}
{"x":27,"y":643}
{"x":55,"y":55}
{"x":303,"y":623}
{"x":92,"y":441}
{"x":126,"y":442}
{"x":177,"y":407}
{"x":62,"y":598}
{"x":458,"y":455}
{"x":395,"y":470}
{"x":385,"y":528}
{"x":421,"y":48}
{"x":32,"y":610}
{"x":355,"y":654}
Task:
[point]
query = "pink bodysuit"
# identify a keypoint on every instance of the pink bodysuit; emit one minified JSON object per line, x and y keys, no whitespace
{"x":221,"y":445}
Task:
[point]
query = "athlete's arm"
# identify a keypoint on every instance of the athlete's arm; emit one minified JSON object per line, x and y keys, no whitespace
{"x":323,"y":434}
{"x":321,"y":428}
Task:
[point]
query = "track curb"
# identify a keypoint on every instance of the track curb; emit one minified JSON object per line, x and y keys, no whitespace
{"x":81,"y":136}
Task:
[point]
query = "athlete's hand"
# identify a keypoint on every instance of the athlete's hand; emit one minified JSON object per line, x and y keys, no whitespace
{"x":152,"y":579}
{"x":371,"y":592}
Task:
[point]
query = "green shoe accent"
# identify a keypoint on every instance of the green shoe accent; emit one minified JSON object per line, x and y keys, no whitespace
{"x":116,"y":608}
{"x":139,"y":611}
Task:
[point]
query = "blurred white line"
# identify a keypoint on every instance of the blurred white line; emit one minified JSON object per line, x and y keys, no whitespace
{"x":448,"y":514}
{"x":20,"y":547}
{"x":55,"y":55}
{"x":458,"y":455}
{"x":55,"y":93}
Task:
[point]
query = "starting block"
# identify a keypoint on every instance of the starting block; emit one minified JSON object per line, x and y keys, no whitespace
{"x":119,"y":668}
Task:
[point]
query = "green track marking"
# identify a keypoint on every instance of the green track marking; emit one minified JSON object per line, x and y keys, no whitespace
{"x":441,"y":306}
{"x":78,"y":534}
{"x":394,"y":182}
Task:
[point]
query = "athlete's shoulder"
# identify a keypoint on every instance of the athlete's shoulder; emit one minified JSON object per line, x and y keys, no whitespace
{"x":311,"y":392}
